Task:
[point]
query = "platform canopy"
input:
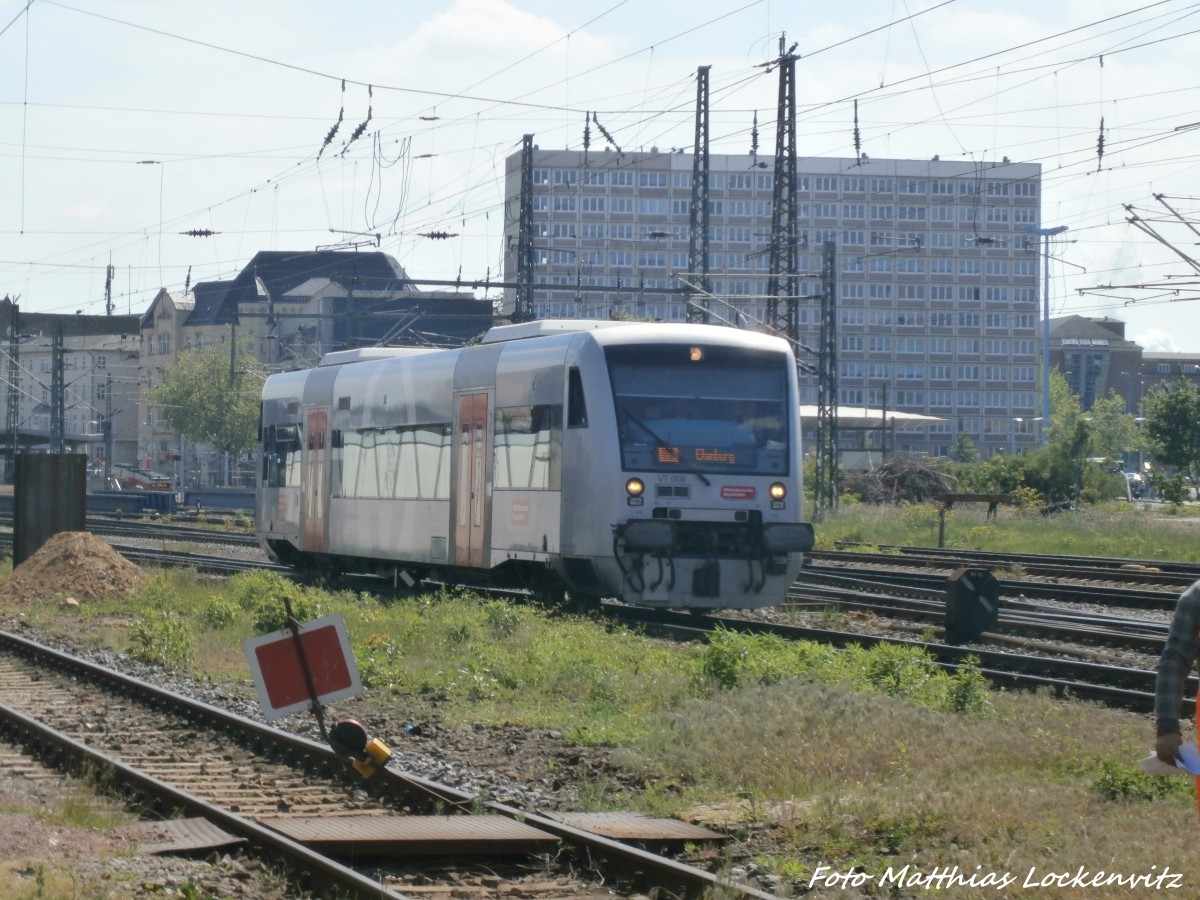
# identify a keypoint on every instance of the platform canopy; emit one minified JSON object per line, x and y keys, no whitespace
{"x":864,"y":416}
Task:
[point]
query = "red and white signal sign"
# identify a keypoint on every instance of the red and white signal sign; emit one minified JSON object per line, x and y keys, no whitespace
{"x":737,"y":492}
{"x":279,"y":677}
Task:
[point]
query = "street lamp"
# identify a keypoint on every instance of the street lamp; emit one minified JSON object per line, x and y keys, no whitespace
{"x":1045,"y":233}
{"x":1020,"y":421}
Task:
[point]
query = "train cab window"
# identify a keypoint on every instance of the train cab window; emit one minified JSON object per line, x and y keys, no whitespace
{"x":281,"y":455}
{"x":576,"y":406}
{"x":701,"y":409}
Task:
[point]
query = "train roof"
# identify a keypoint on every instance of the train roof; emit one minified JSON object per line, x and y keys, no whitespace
{"x":542,"y":327}
{"x":616,"y":332}
{"x":362,"y":354}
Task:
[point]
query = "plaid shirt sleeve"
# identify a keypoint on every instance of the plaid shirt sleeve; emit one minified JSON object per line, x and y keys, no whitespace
{"x":1175,"y":664}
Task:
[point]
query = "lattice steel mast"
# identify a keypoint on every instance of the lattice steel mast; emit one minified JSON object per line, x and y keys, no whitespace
{"x":697,"y":309}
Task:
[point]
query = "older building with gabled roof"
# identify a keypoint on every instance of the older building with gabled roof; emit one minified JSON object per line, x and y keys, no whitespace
{"x":290,"y":308}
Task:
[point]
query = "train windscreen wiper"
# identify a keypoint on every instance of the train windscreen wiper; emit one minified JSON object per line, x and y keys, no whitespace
{"x":663,"y":445}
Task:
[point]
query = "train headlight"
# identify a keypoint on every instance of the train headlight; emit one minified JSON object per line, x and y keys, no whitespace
{"x":635,"y":487}
{"x":778,"y":490}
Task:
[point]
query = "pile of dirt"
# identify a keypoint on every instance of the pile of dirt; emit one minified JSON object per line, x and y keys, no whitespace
{"x":73,"y":564}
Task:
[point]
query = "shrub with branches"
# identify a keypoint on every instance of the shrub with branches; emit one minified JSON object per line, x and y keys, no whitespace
{"x":900,"y":478}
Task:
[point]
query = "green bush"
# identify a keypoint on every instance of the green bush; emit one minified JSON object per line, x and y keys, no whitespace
{"x":263,"y":594}
{"x":1122,"y":782}
{"x":163,"y":639}
{"x":734,"y":660}
{"x":221,"y":612}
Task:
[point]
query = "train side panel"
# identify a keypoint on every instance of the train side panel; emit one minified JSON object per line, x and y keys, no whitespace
{"x":527,"y":462}
{"x":391,"y":483}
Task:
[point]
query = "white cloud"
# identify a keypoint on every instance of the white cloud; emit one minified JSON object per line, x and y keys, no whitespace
{"x":1157,"y":341}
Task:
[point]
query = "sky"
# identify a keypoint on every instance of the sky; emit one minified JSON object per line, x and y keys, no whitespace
{"x":174,"y":140}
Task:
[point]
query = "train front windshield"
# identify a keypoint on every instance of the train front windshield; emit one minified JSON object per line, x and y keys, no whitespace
{"x":700,"y":408}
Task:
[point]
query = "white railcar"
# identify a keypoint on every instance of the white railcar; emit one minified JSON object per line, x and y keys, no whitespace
{"x":657,"y":464}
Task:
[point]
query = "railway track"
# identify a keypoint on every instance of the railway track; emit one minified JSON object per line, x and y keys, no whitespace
{"x":1072,"y":647}
{"x":1111,"y":591}
{"x":296,"y":800}
{"x":1168,"y":574}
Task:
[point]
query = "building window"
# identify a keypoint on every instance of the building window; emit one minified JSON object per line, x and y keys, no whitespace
{"x":879,"y":317}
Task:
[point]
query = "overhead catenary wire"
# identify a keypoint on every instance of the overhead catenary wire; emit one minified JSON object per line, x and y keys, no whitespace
{"x":457,"y":197}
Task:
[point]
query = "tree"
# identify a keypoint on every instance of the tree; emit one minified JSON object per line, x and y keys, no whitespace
{"x":208,"y":397}
{"x":964,"y":450}
{"x":1173,"y":425}
{"x":1065,"y":410}
{"x":1112,"y":431}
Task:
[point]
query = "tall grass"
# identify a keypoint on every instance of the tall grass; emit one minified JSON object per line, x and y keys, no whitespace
{"x":1114,"y":530}
{"x":854,"y":760}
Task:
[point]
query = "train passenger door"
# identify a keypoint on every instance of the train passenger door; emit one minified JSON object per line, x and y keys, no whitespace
{"x":472,"y":480}
{"x":316,"y":499}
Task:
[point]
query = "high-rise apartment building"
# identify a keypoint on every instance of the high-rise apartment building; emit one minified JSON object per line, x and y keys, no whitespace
{"x":937,"y":271}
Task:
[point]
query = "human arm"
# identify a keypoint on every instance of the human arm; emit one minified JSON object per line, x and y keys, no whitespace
{"x":1174,"y":666}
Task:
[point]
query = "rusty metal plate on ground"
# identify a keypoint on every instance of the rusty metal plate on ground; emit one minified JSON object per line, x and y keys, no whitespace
{"x":179,"y":836}
{"x":631,"y":827}
{"x":413,"y":835}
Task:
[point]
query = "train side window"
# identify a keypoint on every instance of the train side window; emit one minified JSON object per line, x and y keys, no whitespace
{"x":576,"y":407}
{"x":281,"y":454}
{"x":336,"y":462}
